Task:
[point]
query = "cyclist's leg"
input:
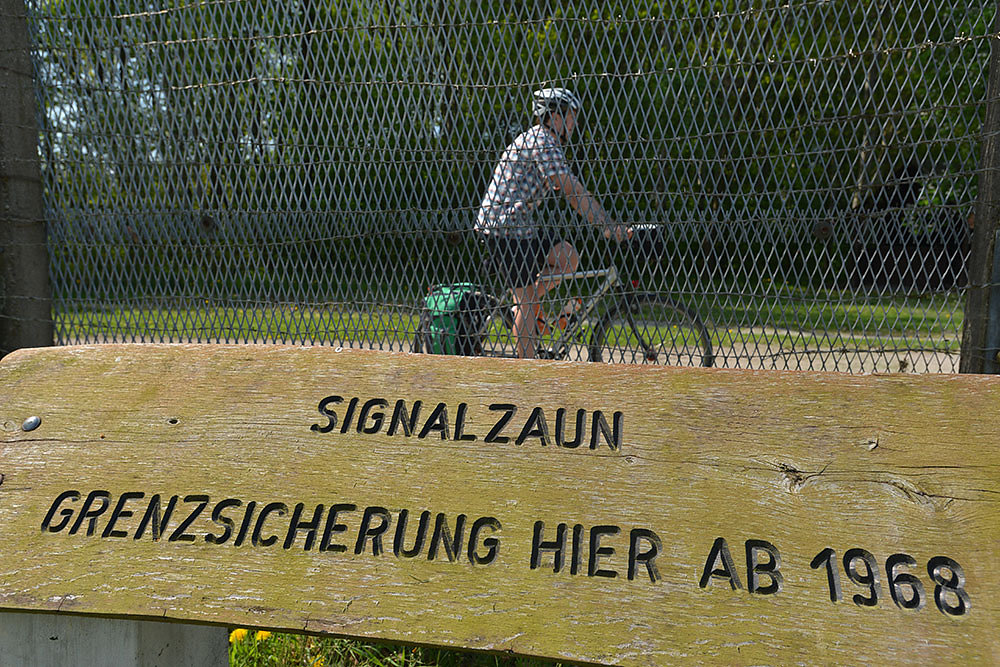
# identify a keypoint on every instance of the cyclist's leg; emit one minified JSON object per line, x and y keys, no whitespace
{"x":552,"y":256}
{"x":516,"y":262}
{"x":525,"y":320}
{"x":523,"y":264}
{"x":538,"y":257}
{"x":561,"y":258}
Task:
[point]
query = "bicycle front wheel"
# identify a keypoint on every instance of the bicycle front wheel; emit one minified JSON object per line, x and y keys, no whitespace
{"x":651,"y":329}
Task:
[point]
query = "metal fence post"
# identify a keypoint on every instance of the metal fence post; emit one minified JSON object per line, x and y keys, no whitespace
{"x":25,"y":297}
{"x":980,"y":341}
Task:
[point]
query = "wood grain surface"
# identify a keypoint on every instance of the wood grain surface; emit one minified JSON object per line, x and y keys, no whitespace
{"x":267,"y":511}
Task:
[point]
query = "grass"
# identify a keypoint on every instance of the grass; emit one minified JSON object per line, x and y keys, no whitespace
{"x":251,"y":648}
{"x":787,"y":317}
{"x":925,"y":315}
{"x":283,"y":323}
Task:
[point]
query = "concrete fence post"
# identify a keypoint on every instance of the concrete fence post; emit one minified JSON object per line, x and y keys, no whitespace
{"x":25,"y":300}
{"x":980,"y":342}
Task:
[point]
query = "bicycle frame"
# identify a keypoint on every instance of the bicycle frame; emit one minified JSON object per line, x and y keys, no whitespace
{"x":500,"y":310}
{"x":612,"y":279}
{"x":682,"y":335}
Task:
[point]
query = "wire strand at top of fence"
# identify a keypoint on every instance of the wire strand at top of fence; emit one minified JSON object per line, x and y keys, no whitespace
{"x":372,"y":151}
{"x":782,"y":8}
{"x":766,"y":60}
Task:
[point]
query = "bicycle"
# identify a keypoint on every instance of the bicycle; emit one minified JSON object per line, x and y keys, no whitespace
{"x":636,"y":327}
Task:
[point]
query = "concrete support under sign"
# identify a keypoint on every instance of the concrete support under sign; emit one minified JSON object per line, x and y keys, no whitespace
{"x":52,"y":640}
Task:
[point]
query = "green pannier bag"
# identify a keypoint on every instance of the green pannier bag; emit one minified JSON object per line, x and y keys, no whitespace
{"x":456,"y":317}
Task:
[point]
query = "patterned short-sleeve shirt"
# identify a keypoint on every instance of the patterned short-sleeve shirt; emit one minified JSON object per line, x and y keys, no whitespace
{"x":520,"y":183}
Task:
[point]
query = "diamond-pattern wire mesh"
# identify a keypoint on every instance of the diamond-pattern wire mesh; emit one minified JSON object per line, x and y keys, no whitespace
{"x":302,"y":172}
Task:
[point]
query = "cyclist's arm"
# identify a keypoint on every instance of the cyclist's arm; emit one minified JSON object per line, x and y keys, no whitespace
{"x":580,"y":199}
{"x":584,"y":203}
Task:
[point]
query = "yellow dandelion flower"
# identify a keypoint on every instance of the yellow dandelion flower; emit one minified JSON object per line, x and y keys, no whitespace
{"x":320,"y":662}
{"x":237,"y":635}
{"x":261,"y":635}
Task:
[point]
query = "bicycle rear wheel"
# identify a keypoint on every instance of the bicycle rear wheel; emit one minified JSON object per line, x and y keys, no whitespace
{"x":651,"y":329}
{"x":421,"y":340}
{"x":498,"y":336}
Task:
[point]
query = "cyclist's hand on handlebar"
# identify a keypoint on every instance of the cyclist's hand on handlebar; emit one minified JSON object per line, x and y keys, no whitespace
{"x":618,"y":232}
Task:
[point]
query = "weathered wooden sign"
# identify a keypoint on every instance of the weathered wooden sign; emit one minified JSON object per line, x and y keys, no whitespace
{"x":594,"y":513}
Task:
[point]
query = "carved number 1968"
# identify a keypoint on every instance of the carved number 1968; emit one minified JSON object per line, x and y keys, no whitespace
{"x":906,"y":589}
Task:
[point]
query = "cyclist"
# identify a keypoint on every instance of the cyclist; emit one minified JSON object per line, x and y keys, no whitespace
{"x":522,"y":253}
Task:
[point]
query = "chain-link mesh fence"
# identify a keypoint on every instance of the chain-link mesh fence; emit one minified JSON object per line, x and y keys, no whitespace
{"x":304,"y":172}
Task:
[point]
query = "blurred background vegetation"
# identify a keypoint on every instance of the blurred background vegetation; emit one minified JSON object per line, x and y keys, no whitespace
{"x":333,"y":154}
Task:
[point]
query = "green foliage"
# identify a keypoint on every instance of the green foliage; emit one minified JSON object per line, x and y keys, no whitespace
{"x":286,"y":650}
{"x":230,"y":150}
{"x":700,"y":111}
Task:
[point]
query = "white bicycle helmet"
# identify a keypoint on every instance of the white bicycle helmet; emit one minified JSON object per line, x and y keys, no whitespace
{"x":548,"y":100}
